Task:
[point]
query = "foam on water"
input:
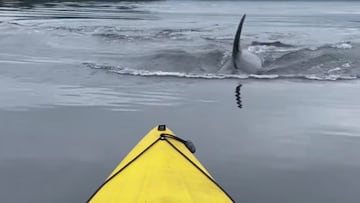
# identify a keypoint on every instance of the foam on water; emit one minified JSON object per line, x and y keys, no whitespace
{"x":147,"y":73}
{"x":345,"y":45}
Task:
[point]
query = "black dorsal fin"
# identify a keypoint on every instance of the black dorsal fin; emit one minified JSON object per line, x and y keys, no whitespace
{"x":236,"y":45}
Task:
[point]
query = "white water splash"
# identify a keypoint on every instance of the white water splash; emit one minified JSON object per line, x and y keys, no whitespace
{"x":330,"y":76}
{"x":346,"y":65}
{"x":344,"y":45}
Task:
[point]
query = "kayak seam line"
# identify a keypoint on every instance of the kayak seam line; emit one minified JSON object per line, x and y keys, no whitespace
{"x":120,"y":170}
{"x":203,"y":172}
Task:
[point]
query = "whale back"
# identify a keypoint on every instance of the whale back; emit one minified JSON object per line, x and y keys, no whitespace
{"x":243,"y":59}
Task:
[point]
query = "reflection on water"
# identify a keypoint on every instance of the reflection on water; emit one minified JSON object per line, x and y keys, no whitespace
{"x":23,"y":95}
{"x":238,"y":96}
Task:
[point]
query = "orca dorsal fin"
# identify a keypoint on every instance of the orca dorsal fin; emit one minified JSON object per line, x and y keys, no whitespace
{"x":236,"y":45}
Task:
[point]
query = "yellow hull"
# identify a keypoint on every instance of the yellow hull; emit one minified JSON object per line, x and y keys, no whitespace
{"x":160,"y":169}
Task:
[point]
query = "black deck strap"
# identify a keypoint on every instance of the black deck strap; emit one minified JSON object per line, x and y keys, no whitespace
{"x":164,"y":135}
{"x":203,"y":172}
{"x":120,"y":170}
{"x":188,"y":144}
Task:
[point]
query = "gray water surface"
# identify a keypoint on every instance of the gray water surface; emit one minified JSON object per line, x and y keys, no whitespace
{"x":81,"y":83}
{"x":286,"y":143}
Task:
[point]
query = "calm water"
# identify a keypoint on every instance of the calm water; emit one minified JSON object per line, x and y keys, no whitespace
{"x":81,"y":83}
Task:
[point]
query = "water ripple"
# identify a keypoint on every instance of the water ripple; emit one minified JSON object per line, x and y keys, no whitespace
{"x":23,"y":95}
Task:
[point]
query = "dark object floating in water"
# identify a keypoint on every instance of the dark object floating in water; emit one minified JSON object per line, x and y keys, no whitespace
{"x":238,"y":96}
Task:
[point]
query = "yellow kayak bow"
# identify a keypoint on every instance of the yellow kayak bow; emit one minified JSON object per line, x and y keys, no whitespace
{"x":160,"y":168}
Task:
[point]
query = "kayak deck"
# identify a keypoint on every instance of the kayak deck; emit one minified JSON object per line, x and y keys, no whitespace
{"x":160,"y":168}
